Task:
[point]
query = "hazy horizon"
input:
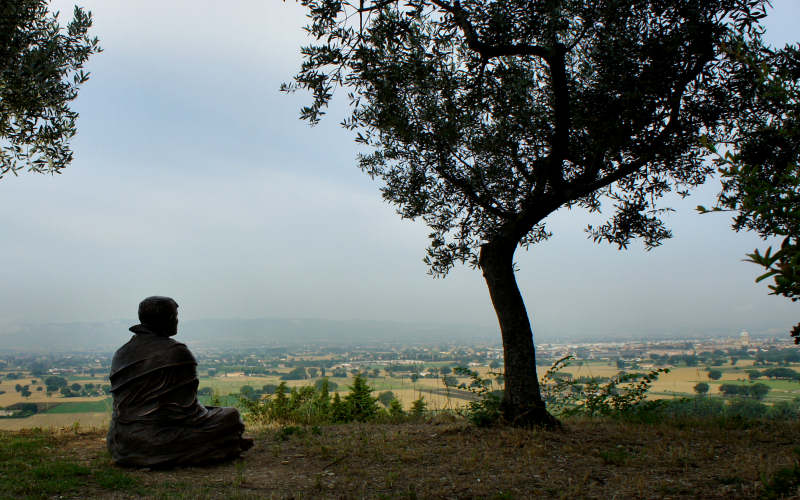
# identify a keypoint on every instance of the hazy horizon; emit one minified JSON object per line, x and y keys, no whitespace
{"x":194,"y":178}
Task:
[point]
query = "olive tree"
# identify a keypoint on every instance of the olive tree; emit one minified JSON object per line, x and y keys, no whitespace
{"x":41,"y":68}
{"x":482,"y":118}
{"x":760,"y":161}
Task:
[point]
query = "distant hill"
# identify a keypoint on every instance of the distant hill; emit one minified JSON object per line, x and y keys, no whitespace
{"x":227,"y":333}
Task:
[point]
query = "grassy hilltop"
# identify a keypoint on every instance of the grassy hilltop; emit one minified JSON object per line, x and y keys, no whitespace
{"x":439,"y":458}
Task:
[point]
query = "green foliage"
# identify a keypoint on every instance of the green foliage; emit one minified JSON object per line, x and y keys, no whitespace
{"x":756,"y":391}
{"x":449,"y":381}
{"x":248,"y":392}
{"x":621,"y":394}
{"x":701,"y":388}
{"x":386,"y":398}
{"x":714,"y":374}
{"x":484,"y":411}
{"x":310,"y":405}
{"x":396,"y":410}
{"x":339,"y":410}
{"x":298,"y":373}
{"x":419,"y":407}
{"x":41,"y":68}
{"x":55,"y":383}
{"x":760,"y":162}
{"x":360,"y":403}
{"x":332,"y":386}
{"x":781,"y":373}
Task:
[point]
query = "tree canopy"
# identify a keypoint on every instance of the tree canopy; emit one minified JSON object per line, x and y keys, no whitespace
{"x":759,"y":162}
{"x":482,"y":118}
{"x":41,"y":68}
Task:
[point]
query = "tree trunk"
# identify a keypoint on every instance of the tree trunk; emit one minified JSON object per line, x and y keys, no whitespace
{"x":522,"y":403}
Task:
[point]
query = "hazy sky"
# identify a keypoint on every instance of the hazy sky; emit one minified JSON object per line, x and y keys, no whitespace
{"x":193,"y":177}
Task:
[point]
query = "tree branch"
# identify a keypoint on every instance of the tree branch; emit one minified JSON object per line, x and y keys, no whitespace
{"x":561,"y":111}
{"x":484,"y":49}
{"x":466,"y":188}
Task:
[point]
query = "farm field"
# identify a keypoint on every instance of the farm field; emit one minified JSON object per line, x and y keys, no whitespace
{"x":98,"y":420}
{"x":11,"y":396}
{"x":95,"y":411}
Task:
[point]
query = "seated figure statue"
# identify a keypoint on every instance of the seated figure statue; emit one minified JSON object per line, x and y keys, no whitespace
{"x":157,"y":421}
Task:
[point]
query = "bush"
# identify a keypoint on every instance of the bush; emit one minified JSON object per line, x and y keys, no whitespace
{"x":622,"y":393}
{"x":485,"y":411}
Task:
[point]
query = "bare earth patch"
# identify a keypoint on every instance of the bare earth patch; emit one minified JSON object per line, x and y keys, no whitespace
{"x":449,"y":459}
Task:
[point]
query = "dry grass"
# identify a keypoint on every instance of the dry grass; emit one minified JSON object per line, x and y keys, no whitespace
{"x":449,"y":459}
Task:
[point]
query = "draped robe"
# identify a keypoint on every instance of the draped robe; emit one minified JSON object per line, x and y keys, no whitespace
{"x":157,"y":420}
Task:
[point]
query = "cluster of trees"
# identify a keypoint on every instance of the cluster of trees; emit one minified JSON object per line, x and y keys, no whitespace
{"x":712,"y":358}
{"x":252,"y":394}
{"x":61,"y":385}
{"x":24,"y":390}
{"x":298,"y":373}
{"x":779,"y":356}
{"x":755,"y":391}
{"x":782,"y":373}
{"x":315,"y":405}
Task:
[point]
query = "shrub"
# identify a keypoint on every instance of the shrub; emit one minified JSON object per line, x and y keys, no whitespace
{"x":621,"y":394}
{"x":484,"y":411}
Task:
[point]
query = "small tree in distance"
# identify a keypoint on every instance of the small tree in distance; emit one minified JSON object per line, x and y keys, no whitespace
{"x":483,"y":118}
{"x":701,"y":388}
{"x":714,"y":374}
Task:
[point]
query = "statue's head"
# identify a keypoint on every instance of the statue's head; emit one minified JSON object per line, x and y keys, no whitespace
{"x":159,"y":314}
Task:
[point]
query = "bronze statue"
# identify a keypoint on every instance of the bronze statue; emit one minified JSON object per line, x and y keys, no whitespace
{"x":157,"y":421}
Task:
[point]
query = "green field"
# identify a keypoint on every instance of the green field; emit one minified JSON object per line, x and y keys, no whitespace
{"x":82,"y":407}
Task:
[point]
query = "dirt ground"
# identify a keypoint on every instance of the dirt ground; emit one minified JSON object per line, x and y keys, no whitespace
{"x":450,"y":459}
